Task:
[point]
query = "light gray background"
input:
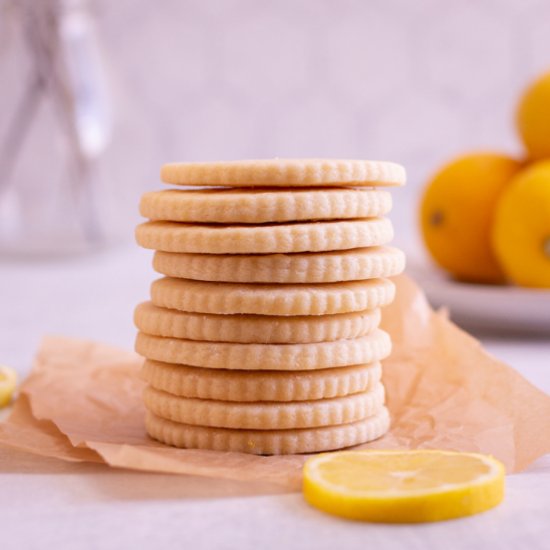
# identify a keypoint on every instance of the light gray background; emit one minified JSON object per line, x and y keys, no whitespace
{"x":415,"y":82}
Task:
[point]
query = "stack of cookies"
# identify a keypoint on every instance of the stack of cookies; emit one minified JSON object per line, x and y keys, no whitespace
{"x":262,"y":335}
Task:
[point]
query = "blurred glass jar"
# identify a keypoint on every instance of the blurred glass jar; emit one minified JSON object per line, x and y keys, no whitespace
{"x":58,"y":127}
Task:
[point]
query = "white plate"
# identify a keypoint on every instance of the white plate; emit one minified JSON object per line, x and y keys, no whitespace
{"x":493,"y":308}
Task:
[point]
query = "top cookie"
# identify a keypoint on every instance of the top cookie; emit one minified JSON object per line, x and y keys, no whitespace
{"x":285,"y":173}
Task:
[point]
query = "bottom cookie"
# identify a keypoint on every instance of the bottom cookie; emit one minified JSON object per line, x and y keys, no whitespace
{"x":268,"y":442}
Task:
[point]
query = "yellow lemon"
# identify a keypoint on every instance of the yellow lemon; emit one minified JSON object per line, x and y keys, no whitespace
{"x":533,"y":118}
{"x":8,"y":380}
{"x":456,"y":215}
{"x":521,"y":231}
{"x":403,"y":486}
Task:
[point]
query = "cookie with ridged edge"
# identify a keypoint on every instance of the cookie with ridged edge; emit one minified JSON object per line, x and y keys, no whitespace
{"x":272,"y":299}
{"x":315,"y":267}
{"x":265,"y":205}
{"x":259,"y":329}
{"x":264,"y":239}
{"x":285,"y":172}
{"x":247,"y":386}
{"x":268,"y":442}
{"x":222,"y":355}
{"x":264,"y":416}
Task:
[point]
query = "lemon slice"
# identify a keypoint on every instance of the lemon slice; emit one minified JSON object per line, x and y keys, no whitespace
{"x":403,"y":486}
{"x":8,"y":380}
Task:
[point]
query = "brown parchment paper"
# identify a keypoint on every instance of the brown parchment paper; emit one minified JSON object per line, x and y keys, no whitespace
{"x":82,"y":402}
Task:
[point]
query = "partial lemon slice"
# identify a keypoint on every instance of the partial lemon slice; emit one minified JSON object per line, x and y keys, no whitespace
{"x":8,"y":380}
{"x":403,"y":486}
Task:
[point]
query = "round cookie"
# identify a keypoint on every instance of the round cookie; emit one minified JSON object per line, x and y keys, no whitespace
{"x":272,"y":299}
{"x":264,"y":416}
{"x":249,"y":386}
{"x":289,"y":357}
{"x":264,"y":239}
{"x":260,"y":329}
{"x":268,"y":442}
{"x":285,"y":173}
{"x":321,"y":267}
{"x":265,"y":205}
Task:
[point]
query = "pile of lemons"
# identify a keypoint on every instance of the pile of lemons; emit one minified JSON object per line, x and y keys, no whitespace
{"x":486,"y":217}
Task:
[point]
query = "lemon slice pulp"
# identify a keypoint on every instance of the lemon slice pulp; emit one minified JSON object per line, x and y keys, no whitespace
{"x":403,"y":486}
{"x":8,"y":380}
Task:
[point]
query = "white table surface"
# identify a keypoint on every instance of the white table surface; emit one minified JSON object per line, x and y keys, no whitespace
{"x":46,"y":502}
